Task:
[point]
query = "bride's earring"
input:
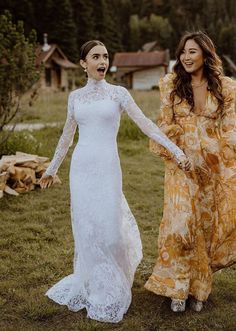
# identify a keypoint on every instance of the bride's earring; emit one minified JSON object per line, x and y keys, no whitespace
{"x":85,"y":69}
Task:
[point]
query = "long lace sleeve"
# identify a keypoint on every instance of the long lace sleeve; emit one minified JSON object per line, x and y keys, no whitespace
{"x":146,"y":125}
{"x":165,"y":119}
{"x":65,"y":140}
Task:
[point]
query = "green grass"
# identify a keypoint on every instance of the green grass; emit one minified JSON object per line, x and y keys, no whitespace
{"x":36,"y":248}
{"x":43,"y":110}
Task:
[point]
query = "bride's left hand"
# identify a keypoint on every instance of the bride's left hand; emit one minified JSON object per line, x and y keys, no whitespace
{"x":46,"y":181}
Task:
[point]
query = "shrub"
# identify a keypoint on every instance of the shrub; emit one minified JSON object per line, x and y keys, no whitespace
{"x":129,"y":130}
{"x":22,"y":141}
{"x":18,"y":71}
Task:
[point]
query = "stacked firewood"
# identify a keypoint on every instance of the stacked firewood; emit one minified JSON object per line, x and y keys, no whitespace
{"x":21,"y":172}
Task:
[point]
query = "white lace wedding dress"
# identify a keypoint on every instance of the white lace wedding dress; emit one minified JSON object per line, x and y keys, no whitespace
{"x":107,"y":242}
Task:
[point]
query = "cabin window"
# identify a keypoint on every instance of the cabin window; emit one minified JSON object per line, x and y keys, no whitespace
{"x":48,"y":77}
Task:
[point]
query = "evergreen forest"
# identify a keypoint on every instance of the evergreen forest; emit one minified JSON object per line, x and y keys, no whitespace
{"x":125,"y":25}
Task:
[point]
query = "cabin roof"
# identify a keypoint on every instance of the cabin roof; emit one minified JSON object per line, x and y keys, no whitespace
{"x":54,"y":53}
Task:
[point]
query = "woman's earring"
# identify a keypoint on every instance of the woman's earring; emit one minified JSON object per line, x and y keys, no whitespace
{"x":85,"y":69}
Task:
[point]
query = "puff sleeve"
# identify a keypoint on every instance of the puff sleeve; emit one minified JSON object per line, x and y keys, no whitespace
{"x":228,"y":119}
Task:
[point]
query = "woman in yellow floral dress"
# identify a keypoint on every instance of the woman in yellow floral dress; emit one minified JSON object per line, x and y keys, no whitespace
{"x":197,"y":234}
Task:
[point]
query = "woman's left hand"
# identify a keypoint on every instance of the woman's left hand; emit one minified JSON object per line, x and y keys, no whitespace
{"x":46,"y":181}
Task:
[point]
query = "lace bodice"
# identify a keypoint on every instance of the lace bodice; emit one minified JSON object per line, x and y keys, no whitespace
{"x":90,"y":94}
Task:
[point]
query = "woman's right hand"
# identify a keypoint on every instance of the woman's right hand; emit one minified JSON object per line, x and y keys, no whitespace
{"x":184,"y":163}
{"x":46,"y":181}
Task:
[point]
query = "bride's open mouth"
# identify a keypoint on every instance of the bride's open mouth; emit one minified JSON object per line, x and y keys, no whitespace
{"x":101,"y":69}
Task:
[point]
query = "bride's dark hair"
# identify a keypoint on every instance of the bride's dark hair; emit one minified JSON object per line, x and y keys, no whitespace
{"x":212,"y":70}
{"x":86,"y":47}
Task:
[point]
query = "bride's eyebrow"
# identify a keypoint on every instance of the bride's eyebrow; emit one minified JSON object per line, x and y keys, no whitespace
{"x":98,"y":54}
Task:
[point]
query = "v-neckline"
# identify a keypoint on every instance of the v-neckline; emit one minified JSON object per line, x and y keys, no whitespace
{"x":205,"y":103}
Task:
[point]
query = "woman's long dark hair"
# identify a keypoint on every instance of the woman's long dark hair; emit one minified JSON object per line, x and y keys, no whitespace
{"x":212,"y":70}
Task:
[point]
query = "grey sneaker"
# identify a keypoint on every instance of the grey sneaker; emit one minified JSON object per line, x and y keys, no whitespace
{"x":177,"y":305}
{"x":196,"y":305}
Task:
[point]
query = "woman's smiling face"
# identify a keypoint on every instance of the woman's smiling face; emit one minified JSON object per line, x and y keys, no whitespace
{"x":192,"y":57}
{"x":96,"y":62}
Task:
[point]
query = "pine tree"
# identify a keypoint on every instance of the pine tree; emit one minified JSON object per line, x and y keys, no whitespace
{"x":18,"y":72}
{"x":107,"y":25}
{"x":182,"y":17}
{"x":125,"y":24}
{"x":123,"y":13}
{"x":59,"y":24}
{"x":156,"y":28}
{"x":84,"y":20}
{"x":227,"y":40}
{"x":20,"y":10}
{"x":142,"y":7}
{"x":135,"y":33}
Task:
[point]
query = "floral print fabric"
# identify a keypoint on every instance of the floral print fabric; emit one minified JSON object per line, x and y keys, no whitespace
{"x":198,"y":231}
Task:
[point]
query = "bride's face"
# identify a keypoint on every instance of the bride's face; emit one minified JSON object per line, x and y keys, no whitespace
{"x":96,"y":62}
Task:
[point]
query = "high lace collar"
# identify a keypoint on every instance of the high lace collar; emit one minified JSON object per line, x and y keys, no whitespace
{"x":96,"y":83}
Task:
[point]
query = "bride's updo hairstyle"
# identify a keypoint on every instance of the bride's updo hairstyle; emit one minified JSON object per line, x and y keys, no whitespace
{"x":86,"y":47}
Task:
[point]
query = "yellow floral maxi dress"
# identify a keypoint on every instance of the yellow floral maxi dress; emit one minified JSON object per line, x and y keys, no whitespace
{"x":198,"y":231}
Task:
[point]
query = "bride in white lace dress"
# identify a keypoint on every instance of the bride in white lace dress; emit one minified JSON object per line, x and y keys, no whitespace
{"x":107,"y":242}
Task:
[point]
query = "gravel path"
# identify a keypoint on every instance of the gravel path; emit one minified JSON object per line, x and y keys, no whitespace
{"x":32,"y":126}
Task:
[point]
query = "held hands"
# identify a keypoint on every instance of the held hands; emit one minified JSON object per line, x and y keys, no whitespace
{"x":46,"y":181}
{"x":184,"y":163}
